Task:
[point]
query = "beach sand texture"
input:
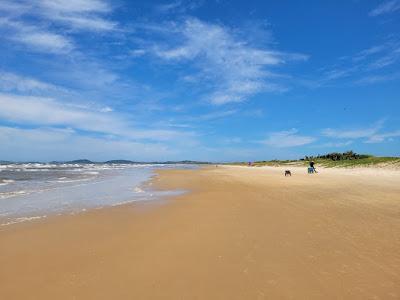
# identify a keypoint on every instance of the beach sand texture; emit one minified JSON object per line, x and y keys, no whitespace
{"x":241,"y":233}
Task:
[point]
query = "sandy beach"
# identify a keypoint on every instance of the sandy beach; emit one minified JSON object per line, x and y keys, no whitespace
{"x":238,"y":233}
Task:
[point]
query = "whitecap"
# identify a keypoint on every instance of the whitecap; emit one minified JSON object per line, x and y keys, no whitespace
{"x":91,"y":173}
{"x":138,"y":190}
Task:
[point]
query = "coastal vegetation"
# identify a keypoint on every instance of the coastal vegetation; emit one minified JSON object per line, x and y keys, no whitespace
{"x":334,"y":159}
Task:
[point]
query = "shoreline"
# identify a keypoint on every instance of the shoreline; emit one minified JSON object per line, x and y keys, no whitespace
{"x":240,"y":233}
{"x":153,"y":194}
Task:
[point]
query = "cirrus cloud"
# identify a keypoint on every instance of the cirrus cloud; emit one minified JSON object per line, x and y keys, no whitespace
{"x":233,"y":68}
{"x":385,"y":8}
{"x":371,"y":135}
{"x":288,"y":138}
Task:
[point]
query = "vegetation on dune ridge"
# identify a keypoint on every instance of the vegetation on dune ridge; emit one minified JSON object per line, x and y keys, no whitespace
{"x":347,"y":159}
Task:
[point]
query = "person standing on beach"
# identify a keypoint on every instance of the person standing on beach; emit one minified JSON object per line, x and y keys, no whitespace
{"x":312,"y":166}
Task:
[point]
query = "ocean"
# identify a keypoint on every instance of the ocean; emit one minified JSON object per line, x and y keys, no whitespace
{"x":35,"y":190}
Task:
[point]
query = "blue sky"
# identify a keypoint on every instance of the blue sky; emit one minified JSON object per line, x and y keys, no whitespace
{"x":207,"y":80}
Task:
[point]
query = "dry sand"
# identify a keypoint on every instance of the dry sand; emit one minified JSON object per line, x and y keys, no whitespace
{"x":241,"y":233}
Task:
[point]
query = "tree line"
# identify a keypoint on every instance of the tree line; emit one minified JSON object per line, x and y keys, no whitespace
{"x":349,"y":155}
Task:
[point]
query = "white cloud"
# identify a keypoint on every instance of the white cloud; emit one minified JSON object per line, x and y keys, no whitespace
{"x":382,"y":137}
{"x":353,"y":133}
{"x":45,"y":40}
{"x":106,"y":109}
{"x":289,"y":138}
{"x":75,"y":6}
{"x":372,"y":134}
{"x":83,"y":22}
{"x":13,"y":7}
{"x":385,"y":8}
{"x":337,"y":73}
{"x":48,"y":144}
{"x":235,"y":69}
{"x":386,"y":60}
{"x":78,"y":14}
{"x":41,"y":111}
{"x":178,"y":6}
{"x":362,"y":67}
{"x":47,"y":111}
{"x":168,"y":7}
{"x":349,"y":134}
{"x":137,"y":52}
{"x":334,"y":144}
{"x":14,"y":82}
{"x":369,"y":51}
{"x":378,"y":78}
{"x":88,"y":15}
{"x":40,"y":39}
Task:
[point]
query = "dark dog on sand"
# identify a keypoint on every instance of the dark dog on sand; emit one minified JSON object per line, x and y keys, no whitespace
{"x":288,"y":173}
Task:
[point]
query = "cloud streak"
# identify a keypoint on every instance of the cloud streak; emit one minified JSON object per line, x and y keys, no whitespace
{"x":17,"y":83}
{"x":368,"y":66}
{"x":382,"y":137}
{"x":47,"y":144}
{"x":351,"y":133}
{"x":372,"y":134}
{"x":234,"y":69}
{"x":385,"y":8}
{"x":334,"y":144}
{"x":78,"y":14}
{"x":178,"y":6}
{"x":286,"y":139}
{"x":52,"y":19}
{"x":40,"y":111}
{"x":37,"y":38}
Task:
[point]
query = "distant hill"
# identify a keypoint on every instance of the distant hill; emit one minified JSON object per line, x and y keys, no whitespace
{"x":80,"y":161}
{"x":120,"y":161}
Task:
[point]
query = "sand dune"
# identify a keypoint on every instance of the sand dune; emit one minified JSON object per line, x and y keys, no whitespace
{"x":241,"y":233}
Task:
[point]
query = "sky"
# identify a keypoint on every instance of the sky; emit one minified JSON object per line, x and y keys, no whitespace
{"x":212,"y":80}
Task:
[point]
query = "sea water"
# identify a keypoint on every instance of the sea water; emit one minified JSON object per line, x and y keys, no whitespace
{"x":35,"y":190}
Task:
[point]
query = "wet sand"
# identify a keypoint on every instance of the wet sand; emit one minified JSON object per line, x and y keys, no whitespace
{"x":241,"y":233}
